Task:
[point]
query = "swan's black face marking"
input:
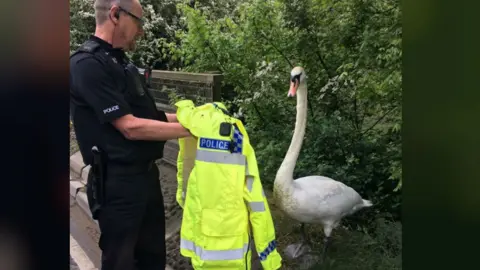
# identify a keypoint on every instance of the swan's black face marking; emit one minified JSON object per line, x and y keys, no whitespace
{"x":297,"y":75}
{"x":296,"y":79}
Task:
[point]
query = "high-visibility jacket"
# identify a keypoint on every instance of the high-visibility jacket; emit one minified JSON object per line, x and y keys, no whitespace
{"x":221,"y":194}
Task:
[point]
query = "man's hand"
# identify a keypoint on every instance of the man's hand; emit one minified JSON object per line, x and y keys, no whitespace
{"x":171,"y":117}
{"x":192,"y":134}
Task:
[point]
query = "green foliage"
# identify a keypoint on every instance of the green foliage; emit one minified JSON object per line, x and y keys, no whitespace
{"x":161,"y":22}
{"x":351,"y":51}
{"x":157,"y":37}
{"x":82,"y":22}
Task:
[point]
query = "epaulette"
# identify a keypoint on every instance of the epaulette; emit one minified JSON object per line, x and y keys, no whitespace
{"x":90,"y":47}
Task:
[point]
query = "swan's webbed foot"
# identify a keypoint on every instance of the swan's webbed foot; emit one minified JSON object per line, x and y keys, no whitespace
{"x":295,"y":251}
{"x":303,"y":248}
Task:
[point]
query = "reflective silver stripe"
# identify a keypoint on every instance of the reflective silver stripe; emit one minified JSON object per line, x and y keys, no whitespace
{"x":214,"y":255}
{"x":249,"y":183}
{"x":220,"y":157}
{"x":250,"y":180}
{"x":257,"y":206}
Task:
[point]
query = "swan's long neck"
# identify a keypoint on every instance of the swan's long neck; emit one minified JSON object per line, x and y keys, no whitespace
{"x":284,"y":178}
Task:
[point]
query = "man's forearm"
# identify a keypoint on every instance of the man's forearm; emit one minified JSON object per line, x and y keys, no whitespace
{"x":152,"y":130}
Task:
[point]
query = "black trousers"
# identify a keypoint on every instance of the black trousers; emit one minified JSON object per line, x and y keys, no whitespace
{"x":132,"y":222}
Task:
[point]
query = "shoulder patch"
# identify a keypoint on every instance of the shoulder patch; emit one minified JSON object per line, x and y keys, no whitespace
{"x":89,"y":46}
{"x":89,"y":49}
{"x":214,"y":144}
{"x":91,"y":57}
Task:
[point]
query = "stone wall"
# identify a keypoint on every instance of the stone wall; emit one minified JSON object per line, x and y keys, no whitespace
{"x":198,"y":87}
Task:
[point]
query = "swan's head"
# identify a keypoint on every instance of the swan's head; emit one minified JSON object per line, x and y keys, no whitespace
{"x":297,"y":77}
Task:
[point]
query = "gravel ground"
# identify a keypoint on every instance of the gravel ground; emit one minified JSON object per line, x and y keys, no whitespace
{"x":73,"y":142}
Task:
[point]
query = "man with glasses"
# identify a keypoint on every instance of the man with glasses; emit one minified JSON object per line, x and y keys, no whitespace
{"x":121,"y":134}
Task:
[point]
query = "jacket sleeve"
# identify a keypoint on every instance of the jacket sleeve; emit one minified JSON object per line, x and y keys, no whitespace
{"x":185,"y":164}
{"x":186,"y":153}
{"x":260,"y":216}
{"x":180,"y":196}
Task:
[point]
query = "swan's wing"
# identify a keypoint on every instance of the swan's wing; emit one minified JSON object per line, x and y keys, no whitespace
{"x":325,"y":195}
{"x":320,"y":185}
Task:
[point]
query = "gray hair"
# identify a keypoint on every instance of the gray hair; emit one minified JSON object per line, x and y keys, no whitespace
{"x":102,"y":8}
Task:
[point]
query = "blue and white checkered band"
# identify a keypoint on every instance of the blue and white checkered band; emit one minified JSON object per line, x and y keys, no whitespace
{"x":270,"y":248}
{"x":237,"y":140}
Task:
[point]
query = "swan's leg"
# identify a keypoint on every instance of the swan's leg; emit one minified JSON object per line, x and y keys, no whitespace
{"x":304,"y":234}
{"x":328,"y":231}
{"x":325,"y":246}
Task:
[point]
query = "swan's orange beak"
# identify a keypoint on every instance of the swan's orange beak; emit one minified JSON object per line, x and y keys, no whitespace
{"x":293,"y":89}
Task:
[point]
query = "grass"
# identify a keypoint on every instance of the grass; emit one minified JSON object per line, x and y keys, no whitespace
{"x":349,"y":249}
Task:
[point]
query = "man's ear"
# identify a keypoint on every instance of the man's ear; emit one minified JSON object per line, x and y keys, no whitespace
{"x":114,"y":14}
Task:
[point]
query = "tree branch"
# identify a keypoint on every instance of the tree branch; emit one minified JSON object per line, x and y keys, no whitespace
{"x":324,"y":65}
{"x":220,"y":65}
{"x":339,"y":146}
{"x":262,"y":34}
{"x":319,"y":55}
{"x":355,"y":110}
{"x":311,"y":109}
{"x":259,"y":114}
{"x":222,"y":69}
{"x":384,"y":12}
{"x":378,"y":121}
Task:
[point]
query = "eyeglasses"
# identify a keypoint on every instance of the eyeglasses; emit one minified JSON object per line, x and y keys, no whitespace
{"x":138,"y":19}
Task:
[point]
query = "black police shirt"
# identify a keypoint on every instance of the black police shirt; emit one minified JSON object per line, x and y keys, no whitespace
{"x":101,"y":92}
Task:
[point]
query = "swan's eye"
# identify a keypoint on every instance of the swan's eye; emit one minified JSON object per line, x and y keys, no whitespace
{"x":296,"y":78}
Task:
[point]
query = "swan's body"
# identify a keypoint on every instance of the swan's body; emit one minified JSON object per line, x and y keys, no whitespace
{"x":311,"y":199}
{"x":319,"y":199}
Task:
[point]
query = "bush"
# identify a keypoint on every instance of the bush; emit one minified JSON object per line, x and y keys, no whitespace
{"x":351,"y":51}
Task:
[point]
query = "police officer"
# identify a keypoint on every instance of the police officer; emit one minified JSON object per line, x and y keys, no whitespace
{"x":121,"y":133}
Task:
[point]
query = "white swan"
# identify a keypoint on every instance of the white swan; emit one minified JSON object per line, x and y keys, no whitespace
{"x":311,"y":199}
